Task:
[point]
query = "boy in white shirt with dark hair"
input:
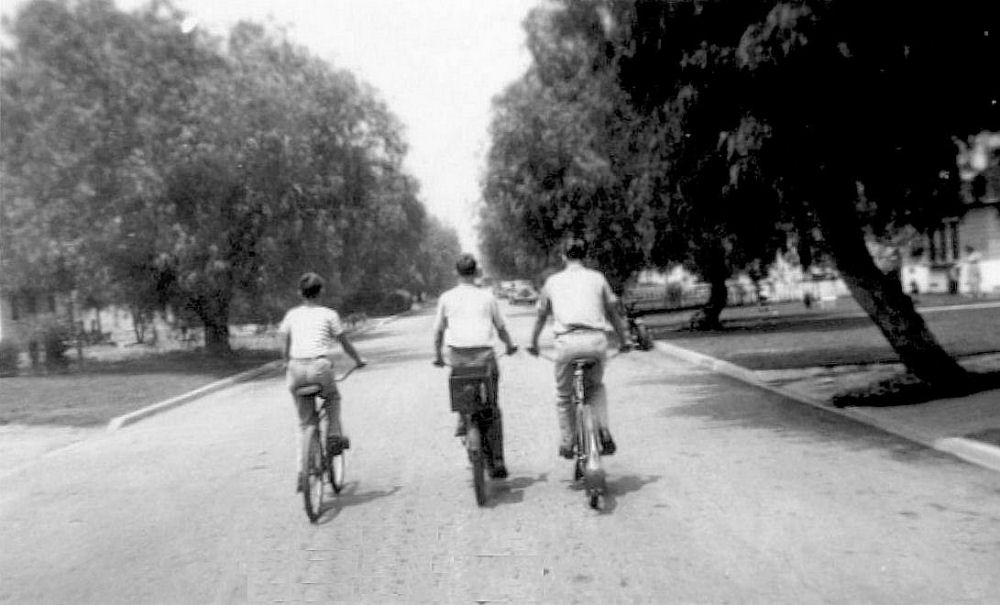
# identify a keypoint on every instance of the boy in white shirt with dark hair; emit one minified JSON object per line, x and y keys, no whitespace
{"x":310,"y":330}
{"x":470,"y":316}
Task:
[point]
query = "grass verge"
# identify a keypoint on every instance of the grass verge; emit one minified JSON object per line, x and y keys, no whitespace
{"x":91,"y":393}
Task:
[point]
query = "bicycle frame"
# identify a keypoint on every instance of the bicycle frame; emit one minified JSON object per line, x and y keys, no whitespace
{"x":587,"y":465}
{"x":315,"y":438}
{"x":471,"y":386}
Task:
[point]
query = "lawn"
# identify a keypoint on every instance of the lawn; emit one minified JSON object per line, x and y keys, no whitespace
{"x":94,"y":392}
{"x":113,"y":380}
{"x":791,"y":336}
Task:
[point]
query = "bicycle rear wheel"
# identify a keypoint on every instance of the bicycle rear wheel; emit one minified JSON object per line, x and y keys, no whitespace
{"x":312,"y":476}
{"x":473,"y":442}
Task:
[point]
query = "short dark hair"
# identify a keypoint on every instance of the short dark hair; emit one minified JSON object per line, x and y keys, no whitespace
{"x":575,"y":248}
{"x":466,"y":265}
{"x":310,"y":285}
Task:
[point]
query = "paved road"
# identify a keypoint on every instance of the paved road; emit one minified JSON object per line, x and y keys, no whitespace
{"x":721,"y":493}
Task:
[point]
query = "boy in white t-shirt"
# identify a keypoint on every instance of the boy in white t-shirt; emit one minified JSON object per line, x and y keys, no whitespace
{"x":310,"y":330}
{"x":470,"y":318}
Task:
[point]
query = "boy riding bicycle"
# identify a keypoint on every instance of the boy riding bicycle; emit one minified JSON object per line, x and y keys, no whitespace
{"x":469,"y":315}
{"x":310,"y":330}
{"x":584,"y":310}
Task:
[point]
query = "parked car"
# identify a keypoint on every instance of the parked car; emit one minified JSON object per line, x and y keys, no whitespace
{"x":524,"y":296}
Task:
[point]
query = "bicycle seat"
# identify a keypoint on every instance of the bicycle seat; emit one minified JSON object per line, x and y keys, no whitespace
{"x":308,"y":389}
{"x":585,"y":362}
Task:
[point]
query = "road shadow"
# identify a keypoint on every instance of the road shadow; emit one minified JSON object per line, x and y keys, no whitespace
{"x":723,"y":403}
{"x":511,"y":491}
{"x":349,"y":496}
{"x":623,"y":485}
{"x":617,"y":485}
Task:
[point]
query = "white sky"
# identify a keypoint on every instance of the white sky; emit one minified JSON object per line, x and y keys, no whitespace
{"x":436,"y":63}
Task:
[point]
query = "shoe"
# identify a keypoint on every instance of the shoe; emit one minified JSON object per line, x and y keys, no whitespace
{"x":298,"y":484}
{"x":461,"y":430}
{"x":566,"y":451}
{"x":499,"y":472}
{"x":335,"y":444}
{"x":608,"y":446}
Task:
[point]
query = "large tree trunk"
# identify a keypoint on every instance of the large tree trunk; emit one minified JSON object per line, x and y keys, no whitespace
{"x":716,"y":272}
{"x":214,"y":314}
{"x":884,"y":301}
{"x":217,"y":338}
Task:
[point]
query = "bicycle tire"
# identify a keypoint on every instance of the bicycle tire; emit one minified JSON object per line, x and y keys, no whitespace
{"x":474,"y":444}
{"x":337,"y":471}
{"x":593,"y":473}
{"x":644,"y":339}
{"x":312,"y":476}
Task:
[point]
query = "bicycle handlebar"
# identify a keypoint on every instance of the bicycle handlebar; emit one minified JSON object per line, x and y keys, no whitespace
{"x":445,"y":364}
{"x":616,"y":353}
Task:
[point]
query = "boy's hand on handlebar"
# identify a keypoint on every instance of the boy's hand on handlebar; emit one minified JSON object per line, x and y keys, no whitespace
{"x":511,"y":349}
{"x":533,"y":350}
{"x":360,"y":363}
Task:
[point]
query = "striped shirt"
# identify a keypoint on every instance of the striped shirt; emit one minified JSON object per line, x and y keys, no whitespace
{"x":313,"y":330}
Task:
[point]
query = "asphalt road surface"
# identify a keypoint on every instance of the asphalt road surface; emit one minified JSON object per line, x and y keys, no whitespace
{"x":720,"y":493}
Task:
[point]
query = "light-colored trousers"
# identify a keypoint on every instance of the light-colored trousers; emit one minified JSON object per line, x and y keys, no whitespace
{"x":569,"y":346}
{"x":313,"y":371}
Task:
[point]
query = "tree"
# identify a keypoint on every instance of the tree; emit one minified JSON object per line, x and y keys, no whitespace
{"x":847,"y":112}
{"x":558,"y":162}
{"x":166,"y":169}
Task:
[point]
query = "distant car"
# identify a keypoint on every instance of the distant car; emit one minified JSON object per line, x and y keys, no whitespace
{"x":524,"y":296}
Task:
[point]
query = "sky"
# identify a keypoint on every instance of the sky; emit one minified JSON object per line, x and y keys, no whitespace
{"x":436,"y":63}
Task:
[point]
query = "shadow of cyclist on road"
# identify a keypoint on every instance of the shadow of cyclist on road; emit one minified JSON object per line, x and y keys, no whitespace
{"x":619,"y":486}
{"x":511,"y":491}
{"x":348,"y":497}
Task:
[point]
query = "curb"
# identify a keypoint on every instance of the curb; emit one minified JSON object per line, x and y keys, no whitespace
{"x":969,"y":450}
{"x":150,"y":410}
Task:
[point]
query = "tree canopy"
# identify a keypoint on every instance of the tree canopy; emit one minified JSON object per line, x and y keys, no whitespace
{"x":727,"y":129}
{"x":154,"y":166}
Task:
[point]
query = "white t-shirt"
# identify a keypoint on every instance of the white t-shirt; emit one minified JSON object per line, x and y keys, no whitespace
{"x":577,"y":297}
{"x":469,"y":315}
{"x":313,"y":328}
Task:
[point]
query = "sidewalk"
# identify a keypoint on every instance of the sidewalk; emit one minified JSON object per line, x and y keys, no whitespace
{"x":967,"y":427}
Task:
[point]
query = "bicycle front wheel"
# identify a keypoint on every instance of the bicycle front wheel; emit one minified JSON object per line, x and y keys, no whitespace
{"x":337,"y":471}
{"x":312,"y":476}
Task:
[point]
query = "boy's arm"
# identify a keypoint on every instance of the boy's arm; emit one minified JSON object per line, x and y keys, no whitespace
{"x":501,"y":327}
{"x":611,"y":309}
{"x":440,"y":325}
{"x":348,"y":347}
{"x":287,"y":347}
{"x":544,"y":310}
{"x":439,"y":342}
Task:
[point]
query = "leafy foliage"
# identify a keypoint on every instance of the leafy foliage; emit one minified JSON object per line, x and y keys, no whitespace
{"x":159,"y":168}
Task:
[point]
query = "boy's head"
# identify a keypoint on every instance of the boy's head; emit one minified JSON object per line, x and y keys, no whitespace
{"x":574,"y":248}
{"x":310,"y":285}
{"x":466,"y":266}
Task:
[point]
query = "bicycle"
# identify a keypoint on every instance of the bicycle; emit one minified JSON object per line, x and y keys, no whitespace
{"x":638,"y":330}
{"x":319,"y":459}
{"x":470,"y":396}
{"x":587,"y":464}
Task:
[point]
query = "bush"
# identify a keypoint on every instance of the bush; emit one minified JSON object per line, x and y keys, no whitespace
{"x":377,"y":303}
{"x":55,"y":340}
{"x":10,"y":355}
